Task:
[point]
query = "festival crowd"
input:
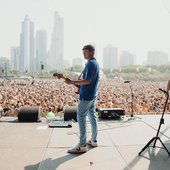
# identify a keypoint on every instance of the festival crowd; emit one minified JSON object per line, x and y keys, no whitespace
{"x":54,"y":94}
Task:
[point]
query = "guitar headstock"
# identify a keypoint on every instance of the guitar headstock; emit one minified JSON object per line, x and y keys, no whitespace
{"x":59,"y":76}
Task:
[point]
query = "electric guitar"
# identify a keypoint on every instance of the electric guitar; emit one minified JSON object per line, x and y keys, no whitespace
{"x":59,"y":76}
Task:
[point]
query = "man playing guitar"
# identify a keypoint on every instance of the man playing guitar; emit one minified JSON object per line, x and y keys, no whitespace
{"x":87,"y":97}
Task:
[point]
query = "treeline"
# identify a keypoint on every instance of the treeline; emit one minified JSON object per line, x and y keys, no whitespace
{"x":145,"y":73}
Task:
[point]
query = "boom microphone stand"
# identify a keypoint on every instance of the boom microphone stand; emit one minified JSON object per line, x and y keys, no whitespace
{"x":132,"y":101}
{"x":154,"y":139}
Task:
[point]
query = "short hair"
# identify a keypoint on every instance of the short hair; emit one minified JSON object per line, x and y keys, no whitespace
{"x":89,"y":47}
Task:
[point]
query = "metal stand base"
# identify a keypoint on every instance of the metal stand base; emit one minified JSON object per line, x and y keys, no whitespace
{"x":154,"y":139}
{"x":132,"y":117}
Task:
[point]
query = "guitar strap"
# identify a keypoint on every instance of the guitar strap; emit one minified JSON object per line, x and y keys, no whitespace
{"x":80,"y":74}
{"x":84,"y":69}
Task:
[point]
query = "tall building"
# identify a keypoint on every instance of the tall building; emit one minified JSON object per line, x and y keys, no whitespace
{"x":41,"y":50}
{"x":77,"y":62}
{"x":127,"y":58}
{"x":4,"y":65}
{"x":14,"y":61}
{"x":157,"y":58}
{"x":27,"y":46}
{"x":110,"y":57}
{"x":56,"y":56}
{"x":66,"y":64}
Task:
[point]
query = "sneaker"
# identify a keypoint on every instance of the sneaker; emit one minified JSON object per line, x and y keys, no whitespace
{"x":78,"y":149}
{"x":91,"y":143}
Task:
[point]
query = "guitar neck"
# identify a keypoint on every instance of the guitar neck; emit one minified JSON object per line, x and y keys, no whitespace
{"x":63,"y":77}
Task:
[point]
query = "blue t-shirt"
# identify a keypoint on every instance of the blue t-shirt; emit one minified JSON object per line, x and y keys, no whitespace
{"x":91,"y":72}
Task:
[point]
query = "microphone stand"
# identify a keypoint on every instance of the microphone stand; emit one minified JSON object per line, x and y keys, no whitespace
{"x":154,"y":139}
{"x":132,"y":102}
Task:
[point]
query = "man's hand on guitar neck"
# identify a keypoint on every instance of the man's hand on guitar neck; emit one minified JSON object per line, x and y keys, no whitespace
{"x":67,"y":80}
{"x":77,"y":83}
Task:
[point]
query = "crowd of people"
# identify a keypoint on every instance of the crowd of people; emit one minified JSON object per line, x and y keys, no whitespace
{"x":54,"y":94}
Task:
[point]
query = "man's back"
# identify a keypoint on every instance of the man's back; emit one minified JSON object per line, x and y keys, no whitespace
{"x":91,"y":72}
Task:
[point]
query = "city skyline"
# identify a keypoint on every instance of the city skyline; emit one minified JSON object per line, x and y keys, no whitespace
{"x":134,"y":26}
{"x":27,"y":46}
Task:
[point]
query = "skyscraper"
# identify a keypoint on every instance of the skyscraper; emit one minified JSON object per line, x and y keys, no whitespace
{"x":27,"y":46}
{"x":110,"y":57}
{"x":157,"y":58}
{"x":55,"y":59}
{"x":14,"y":58}
{"x":127,"y":58}
{"x":41,"y":49}
{"x":4,"y":65}
{"x":77,"y":62}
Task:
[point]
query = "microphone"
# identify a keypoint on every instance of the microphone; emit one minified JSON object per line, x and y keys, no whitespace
{"x":127,"y":81}
{"x":163,"y":91}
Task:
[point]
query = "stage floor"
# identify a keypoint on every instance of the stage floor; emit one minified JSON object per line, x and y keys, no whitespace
{"x":35,"y":146}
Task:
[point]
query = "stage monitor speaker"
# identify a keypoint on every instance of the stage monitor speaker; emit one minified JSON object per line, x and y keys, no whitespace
{"x":110,"y":113}
{"x":29,"y":114}
{"x":70,"y":112}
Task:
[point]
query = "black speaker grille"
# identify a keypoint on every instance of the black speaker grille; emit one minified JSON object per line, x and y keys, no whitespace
{"x":29,"y":114}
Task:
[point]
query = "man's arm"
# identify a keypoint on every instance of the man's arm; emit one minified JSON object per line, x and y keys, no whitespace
{"x":78,"y":82}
